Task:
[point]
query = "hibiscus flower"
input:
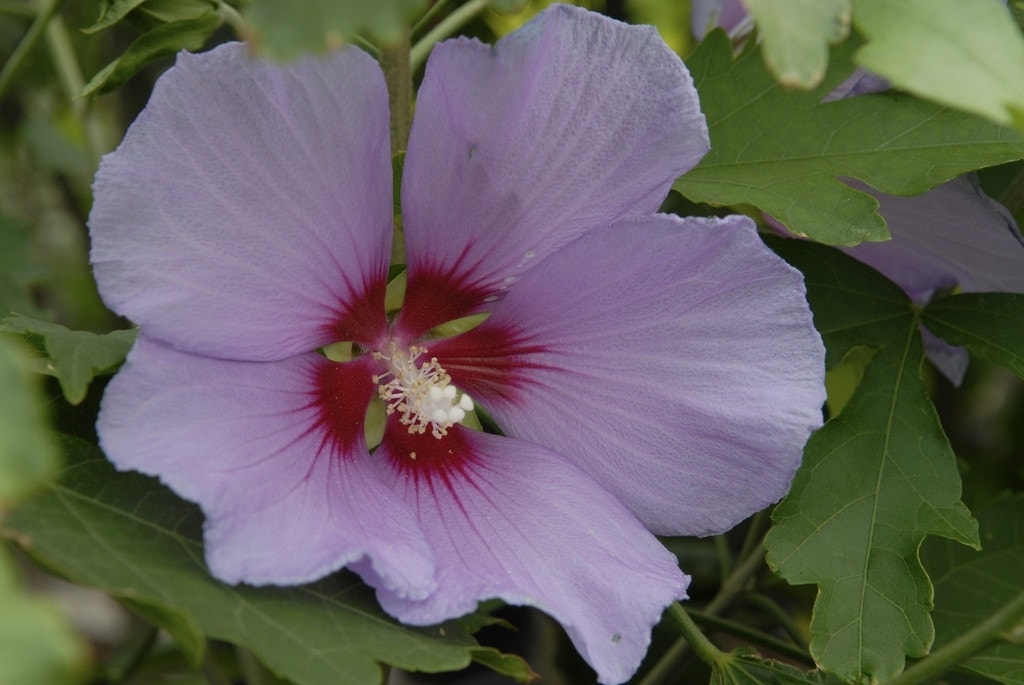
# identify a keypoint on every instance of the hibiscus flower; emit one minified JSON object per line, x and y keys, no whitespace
{"x":650,"y":374}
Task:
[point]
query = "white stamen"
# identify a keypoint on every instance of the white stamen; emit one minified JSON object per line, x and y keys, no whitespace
{"x":423,"y":395}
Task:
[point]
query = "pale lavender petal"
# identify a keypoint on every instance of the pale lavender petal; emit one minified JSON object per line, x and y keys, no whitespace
{"x":706,"y":15}
{"x":247,"y":214}
{"x":952,"y":236}
{"x":675,"y":361}
{"x":860,"y":82}
{"x":569,"y":123}
{"x":510,"y":519}
{"x":274,"y":454}
{"x":951,"y":361}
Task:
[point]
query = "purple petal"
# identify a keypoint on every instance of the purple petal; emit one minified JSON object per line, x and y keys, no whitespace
{"x":247,"y":214}
{"x":951,"y":361}
{"x":674,"y":361}
{"x":706,"y":15}
{"x":860,"y":82}
{"x":569,"y":123}
{"x":509,"y":519}
{"x":951,"y":236}
{"x":273,"y":453}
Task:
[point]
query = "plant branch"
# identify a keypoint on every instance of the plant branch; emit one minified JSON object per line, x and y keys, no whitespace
{"x":46,"y":12}
{"x":429,"y":15}
{"x":771,"y":607}
{"x":731,"y":588}
{"x":701,"y":645}
{"x":737,"y":581}
{"x":1009,"y":619}
{"x":755,"y":636}
{"x":394,"y":61}
{"x":230,"y":16}
{"x":445,"y":28}
{"x":755,"y":532}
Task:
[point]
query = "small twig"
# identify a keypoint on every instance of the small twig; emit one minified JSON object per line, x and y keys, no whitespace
{"x":755,"y":636}
{"x":428,"y":16}
{"x":701,"y":645}
{"x":394,"y":61}
{"x":447,"y":27}
{"x":782,"y":617}
{"x":230,"y":16}
{"x":756,"y":530}
{"x":986,"y":633}
{"x":725,"y":558}
{"x":735,"y":584}
{"x":46,"y":12}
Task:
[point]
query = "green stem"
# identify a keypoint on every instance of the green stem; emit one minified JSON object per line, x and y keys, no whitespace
{"x":752,"y":635}
{"x":725,"y":559}
{"x":738,"y":581}
{"x":731,"y":588}
{"x":758,"y":524}
{"x":230,"y":16}
{"x":62,"y":52}
{"x":49,"y":7}
{"x":782,"y":617}
{"x":701,"y":645}
{"x":991,"y":630}
{"x":447,"y":27}
{"x":394,"y":61}
{"x":428,"y":17}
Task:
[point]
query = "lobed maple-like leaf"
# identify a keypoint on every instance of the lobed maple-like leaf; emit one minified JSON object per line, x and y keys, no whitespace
{"x":785,"y":151}
{"x":971,"y":586}
{"x":876,"y":480}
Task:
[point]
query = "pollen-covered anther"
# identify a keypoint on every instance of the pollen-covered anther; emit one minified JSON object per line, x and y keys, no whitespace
{"x":423,"y":395}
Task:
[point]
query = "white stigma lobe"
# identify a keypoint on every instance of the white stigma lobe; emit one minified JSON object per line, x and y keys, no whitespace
{"x":423,"y":395}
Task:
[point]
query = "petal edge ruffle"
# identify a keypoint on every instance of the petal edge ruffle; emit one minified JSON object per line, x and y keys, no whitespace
{"x":512,"y":520}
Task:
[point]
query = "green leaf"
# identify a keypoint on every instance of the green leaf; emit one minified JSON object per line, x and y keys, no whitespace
{"x":795,"y":36}
{"x":875,"y":481}
{"x":968,"y":55}
{"x":36,"y":646}
{"x":154,"y":12}
{"x":972,"y":586}
{"x":289,"y":29}
{"x":75,"y":357}
{"x":509,"y":665}
{"x":853,"y":304}
{"x":162,"y":11}
{"x":128,"y":535}
{"x":990,"y":325}
{"x":27,"y":452}
{"x":163,"y":41}
{"x":744,"y":666}
{"x":784,"y":151}
{"x":112,"y":12}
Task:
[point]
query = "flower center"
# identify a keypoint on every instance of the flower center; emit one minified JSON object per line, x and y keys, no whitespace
{"x":422,"y":394}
